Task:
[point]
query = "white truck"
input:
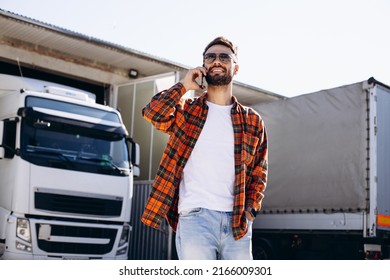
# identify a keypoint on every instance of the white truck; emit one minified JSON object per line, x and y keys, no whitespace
{"x":328,"y":193}
{"x":66,"y":174}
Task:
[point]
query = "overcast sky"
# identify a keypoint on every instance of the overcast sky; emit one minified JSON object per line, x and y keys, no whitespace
{"x":289,"y":47}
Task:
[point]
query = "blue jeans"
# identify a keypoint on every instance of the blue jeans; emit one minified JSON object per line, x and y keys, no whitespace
{"x":204,"y":234}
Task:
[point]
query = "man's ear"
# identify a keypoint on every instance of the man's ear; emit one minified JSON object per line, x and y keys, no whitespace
{"x":236,"y":67}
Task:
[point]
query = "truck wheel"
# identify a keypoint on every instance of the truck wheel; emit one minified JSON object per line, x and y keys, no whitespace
{"x":262,"y":251}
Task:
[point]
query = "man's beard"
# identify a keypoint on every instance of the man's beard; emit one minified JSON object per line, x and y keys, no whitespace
{"x":218,"y":80}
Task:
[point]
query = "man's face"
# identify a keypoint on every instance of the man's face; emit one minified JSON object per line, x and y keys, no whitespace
{"x":220,"y":64}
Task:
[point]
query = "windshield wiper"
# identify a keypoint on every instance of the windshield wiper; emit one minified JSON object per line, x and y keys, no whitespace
{"x":104,"y":162}
{"x":52,"y":153}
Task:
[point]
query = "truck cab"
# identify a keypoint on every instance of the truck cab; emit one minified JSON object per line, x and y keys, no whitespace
{"x":66,"y":174}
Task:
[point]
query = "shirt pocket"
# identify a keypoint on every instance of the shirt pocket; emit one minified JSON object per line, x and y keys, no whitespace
{"x":249,"y":145}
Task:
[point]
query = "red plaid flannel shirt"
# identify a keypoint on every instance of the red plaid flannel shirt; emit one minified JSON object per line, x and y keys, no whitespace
{"x":183,"y":120}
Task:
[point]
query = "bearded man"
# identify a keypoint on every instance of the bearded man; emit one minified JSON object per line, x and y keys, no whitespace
{"x":213,"y":172}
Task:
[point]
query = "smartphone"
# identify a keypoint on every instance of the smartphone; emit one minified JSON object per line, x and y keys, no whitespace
{"x":201,"y":81}
{"x":202,"y":85}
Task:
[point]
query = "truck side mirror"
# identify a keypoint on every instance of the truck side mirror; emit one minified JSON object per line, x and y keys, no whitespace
{"x":2,"y":150}
{"x":135,"y":156}
{"x":8,"y":138}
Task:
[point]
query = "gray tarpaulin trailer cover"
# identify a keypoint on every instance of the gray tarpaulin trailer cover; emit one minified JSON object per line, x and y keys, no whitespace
{"x":317,"y":151}
{"x":328,"y":189}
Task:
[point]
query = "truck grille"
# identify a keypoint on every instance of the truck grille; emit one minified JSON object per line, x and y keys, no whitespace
{"x":78,"y":204}
{"x":66,"y":247}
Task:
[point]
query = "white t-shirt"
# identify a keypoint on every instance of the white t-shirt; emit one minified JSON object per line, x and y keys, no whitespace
{"x":208,"y":177}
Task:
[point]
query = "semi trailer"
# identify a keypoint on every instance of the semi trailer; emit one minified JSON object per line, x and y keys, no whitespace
{"x":328,"y":191}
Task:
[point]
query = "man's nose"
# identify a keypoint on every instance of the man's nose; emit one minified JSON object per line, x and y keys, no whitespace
{"x":217,"y":60}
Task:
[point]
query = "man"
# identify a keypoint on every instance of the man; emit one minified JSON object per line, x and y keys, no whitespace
{"x":212,"y":175}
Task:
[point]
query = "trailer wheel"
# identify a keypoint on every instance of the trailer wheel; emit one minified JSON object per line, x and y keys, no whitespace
{"x":262,"y":250}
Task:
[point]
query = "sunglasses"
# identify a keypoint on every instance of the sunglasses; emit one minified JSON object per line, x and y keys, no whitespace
{"x":223,"y":57}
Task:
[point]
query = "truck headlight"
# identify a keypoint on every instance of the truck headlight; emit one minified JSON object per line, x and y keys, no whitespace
{"x":124,"y":236}
{"x":123,"y":240}
{"x":23,"y":229}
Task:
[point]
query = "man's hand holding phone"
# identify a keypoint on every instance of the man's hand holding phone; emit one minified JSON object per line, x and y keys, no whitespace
{"x":194,"y":79}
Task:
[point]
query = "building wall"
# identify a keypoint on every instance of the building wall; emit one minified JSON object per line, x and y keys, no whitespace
{"x":130,"y":99}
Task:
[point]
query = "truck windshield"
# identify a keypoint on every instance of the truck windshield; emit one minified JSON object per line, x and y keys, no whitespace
{"x":54,"y":141}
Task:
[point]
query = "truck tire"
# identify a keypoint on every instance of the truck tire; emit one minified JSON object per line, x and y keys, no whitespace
{"x":262,"y":250}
